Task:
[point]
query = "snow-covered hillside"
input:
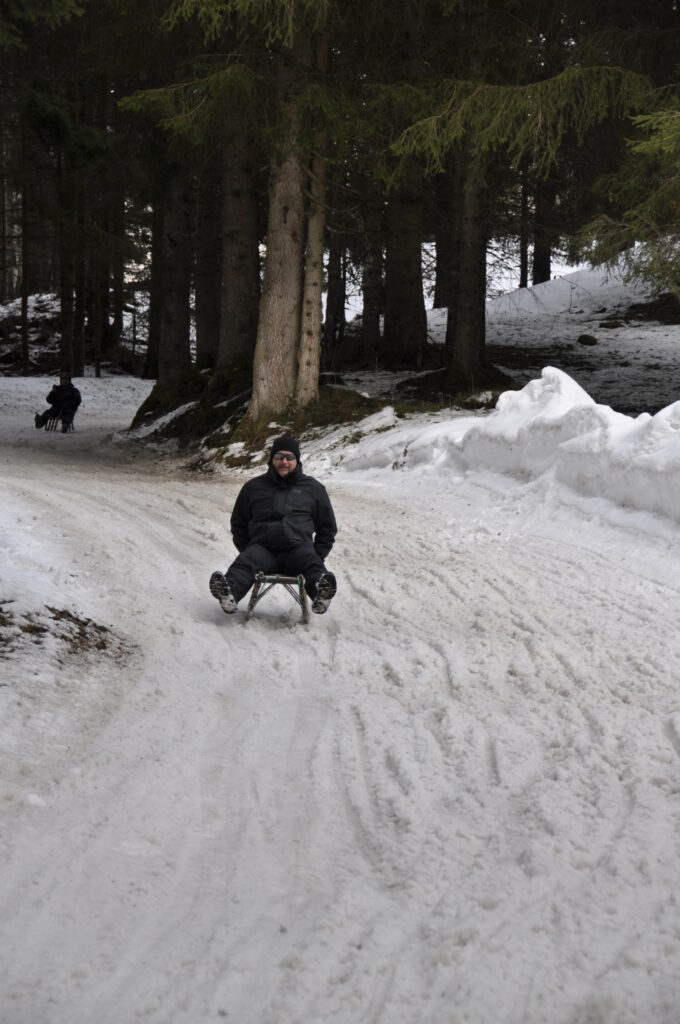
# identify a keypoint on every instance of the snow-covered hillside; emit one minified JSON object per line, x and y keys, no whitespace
{"x":598,"y":329}
{"x":454,"y":798}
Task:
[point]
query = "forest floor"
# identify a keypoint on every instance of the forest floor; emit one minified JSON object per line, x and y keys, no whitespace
{"x":621,"y":342}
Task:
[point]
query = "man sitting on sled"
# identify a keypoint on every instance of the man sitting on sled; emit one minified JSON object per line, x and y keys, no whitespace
{"x":283,"y":522}
{"x":63,"y":399}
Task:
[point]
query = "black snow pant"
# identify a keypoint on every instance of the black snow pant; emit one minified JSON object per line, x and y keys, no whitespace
{"x":54,"y":412}
{"x":300,"y":560}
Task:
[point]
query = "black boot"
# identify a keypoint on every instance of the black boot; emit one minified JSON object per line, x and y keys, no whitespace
{"x":325,"y":591}
{"x":220,"y":589}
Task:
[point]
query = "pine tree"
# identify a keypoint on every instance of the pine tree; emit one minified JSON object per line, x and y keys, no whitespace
{"x":19,"y":16}
{"x":499,"y":101}
{"x":278,"y":328}
{"x":280,"y":34}
{"x":309,"y":348}
{"x":639,"y":221}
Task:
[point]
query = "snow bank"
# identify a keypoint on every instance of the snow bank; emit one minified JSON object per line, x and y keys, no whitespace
{"x":586,"y":288}
{"x":636,"y":463}
{"x":524,"y":433}
{"x":551,"y":426}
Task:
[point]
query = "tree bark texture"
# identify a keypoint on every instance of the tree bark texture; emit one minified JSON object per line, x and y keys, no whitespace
{"x":465,"y":332}
{"x":9,"y":229}
{"x":79,"y":318}
{"x":208,"y":270}
{"x":174,"y":356}
{"x":240,"y":251}
{"x":443,"y":240}
{"x":523,"y":232}
{"x":156,"y":284}
{"x":309,"y":356}
{"x":98,"y":311}
{"x":118,"y":267}
{"x":543,"y":233}
{"x":442,"y":275}
{"x":334,"y":323}
{"x":309,"y":353}
{"x":371,"y":281}
{"x":67,"y":314}
{"x":278,"y":329}
{"x":11,"y":155}
{"x":25,"y":263}
{"x":97,"y":302}
{"x":405,"y":330}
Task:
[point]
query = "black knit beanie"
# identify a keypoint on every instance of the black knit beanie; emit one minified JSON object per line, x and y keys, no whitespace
{"x":286,"y":443}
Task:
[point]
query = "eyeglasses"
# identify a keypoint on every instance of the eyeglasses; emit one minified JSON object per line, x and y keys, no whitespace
{"x":280,"y":456}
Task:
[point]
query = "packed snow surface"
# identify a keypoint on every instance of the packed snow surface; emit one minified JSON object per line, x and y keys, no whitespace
{"x":454,"y":798}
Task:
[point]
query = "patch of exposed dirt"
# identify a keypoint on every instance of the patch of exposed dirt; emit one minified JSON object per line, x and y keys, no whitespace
{"x":72,"y":634}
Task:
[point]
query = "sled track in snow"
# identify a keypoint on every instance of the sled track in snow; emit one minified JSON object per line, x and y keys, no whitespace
{"x":381,"y":817}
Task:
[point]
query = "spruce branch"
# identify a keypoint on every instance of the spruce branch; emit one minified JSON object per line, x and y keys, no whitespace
{"x":526,"y":121}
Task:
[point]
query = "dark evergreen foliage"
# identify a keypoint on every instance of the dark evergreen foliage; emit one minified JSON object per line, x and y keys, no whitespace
{"x":140,"y":146}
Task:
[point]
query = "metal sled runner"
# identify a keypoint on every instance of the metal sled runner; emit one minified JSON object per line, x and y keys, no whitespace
{"x":295,"y":585}
{"x":56,"y":422}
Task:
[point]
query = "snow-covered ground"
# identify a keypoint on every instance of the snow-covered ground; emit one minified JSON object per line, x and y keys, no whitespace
{"x":629,"y":363}
{"x":582,"y":323}
{"x":454,"y":798}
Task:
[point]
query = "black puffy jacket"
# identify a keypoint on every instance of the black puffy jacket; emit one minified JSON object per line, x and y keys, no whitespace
{"x":282,"y":512}
{"x":64,"y":398}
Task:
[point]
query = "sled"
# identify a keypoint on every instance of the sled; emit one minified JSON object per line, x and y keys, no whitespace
{"x":295,"y":585}
{"x":56,"y":422}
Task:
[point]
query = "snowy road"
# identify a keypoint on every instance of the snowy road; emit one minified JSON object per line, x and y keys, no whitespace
{"x":455,"y":798}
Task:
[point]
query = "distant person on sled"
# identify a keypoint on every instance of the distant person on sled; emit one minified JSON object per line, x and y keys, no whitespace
{"x":63,"y":400}
{"x":282,"y":522}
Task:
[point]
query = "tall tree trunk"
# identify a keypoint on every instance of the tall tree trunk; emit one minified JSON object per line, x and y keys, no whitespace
{"x":66,"y":266}
{"x":240,"y":251}
{"x":524,"y":231}
{"x":442,"y":275}
{"x":100,"y":251}
{"x":98,"y":291}
{"x":335,"y":297}
{"x":208,"y":272}
{"x":76,"y":199}
{"x":10,"y":157}
{"x":98,"y":314}
{"x":405,"y":330}
{"x":25,"y":364}
{"x":26,"y":199}
{"x":371,"y":279}
{"x":41,"y":229}
{"x":278,"y":329}
{"x":156,"y":282}
{"x":465,"y":329}
{"x":174,"y":357}
{"x":544,"y":232}
{"x":117,"y":223}
{"x":4,"y":195}
{"x":67,"y":320}
{"x":118,"y":268}
{"x":79,"y":318}
{"x":443,"y":240}
{"x":309,"y":354}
